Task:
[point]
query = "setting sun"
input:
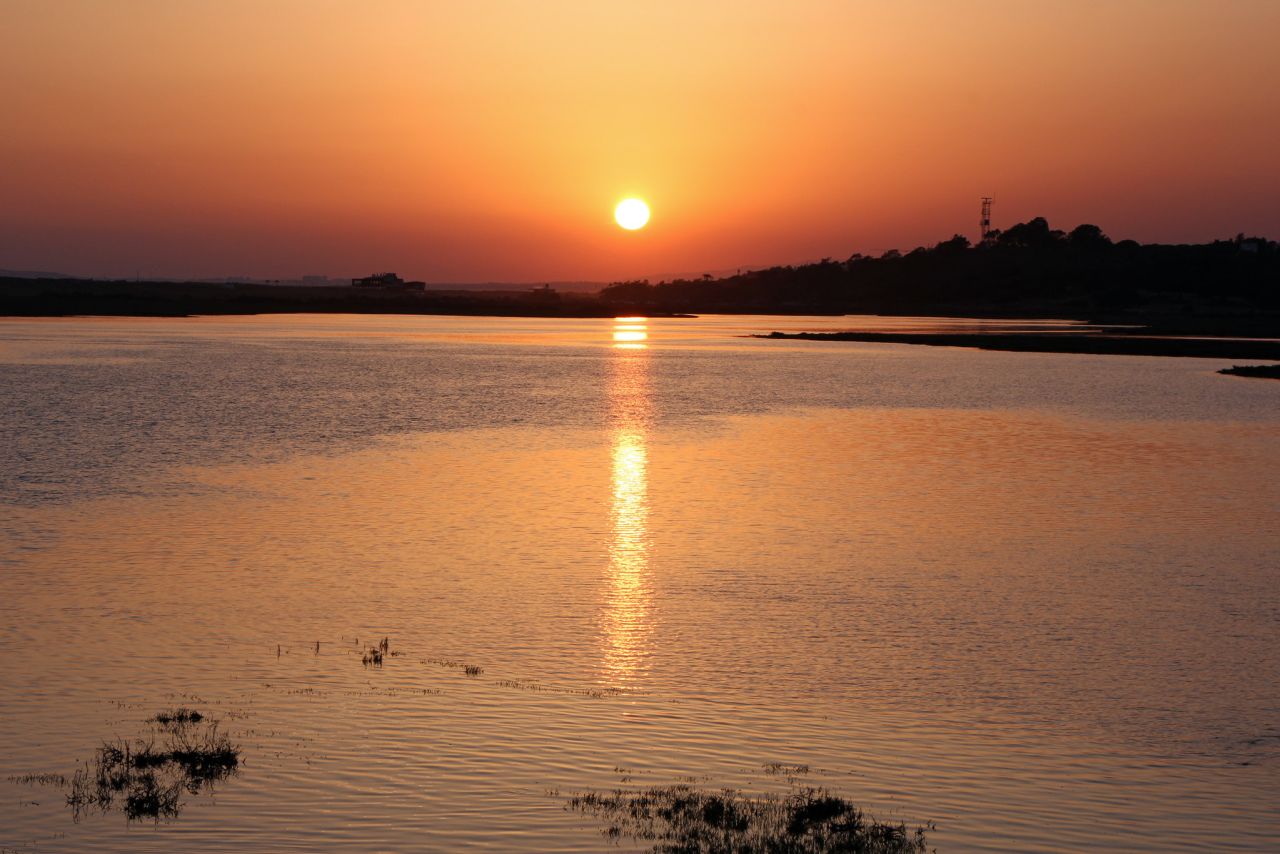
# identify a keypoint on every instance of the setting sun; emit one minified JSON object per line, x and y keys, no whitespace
{"x":631,"y":214}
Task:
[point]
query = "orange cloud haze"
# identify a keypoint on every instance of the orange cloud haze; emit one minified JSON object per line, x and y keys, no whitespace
{"x":471,"y":141}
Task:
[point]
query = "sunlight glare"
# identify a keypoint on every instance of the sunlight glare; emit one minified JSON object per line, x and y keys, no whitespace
{"x":631,"y":214}
{"x":626,"y":621}
{"x":630,"y":333}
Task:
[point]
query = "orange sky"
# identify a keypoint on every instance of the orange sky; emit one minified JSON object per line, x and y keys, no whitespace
{"x":473,"y":141}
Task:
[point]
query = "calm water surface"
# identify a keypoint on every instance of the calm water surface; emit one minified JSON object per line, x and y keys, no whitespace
{"x":1029,"y":597}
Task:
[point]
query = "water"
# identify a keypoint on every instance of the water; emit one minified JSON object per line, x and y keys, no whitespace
{"x":1029,"y":597}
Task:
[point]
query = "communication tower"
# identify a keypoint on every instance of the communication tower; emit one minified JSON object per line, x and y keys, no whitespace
{"x":985,"y":223}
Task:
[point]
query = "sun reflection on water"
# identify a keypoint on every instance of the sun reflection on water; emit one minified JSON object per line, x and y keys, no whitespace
{"x":626,"y":623}
{"x":630,"y":333}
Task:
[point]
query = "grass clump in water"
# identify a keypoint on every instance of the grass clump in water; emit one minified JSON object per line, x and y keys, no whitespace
{"x":779,"y":769}
{"x":146,"y":781}
{"x":38,"y":779}
{"x":178,"y":717}
{"x":203,"y":757}
{"x":683,"y":820}
{"x":374,"y":655}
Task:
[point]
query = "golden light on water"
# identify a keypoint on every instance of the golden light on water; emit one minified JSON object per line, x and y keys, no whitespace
{"x":630,"y":333}
{"x":626,"y":623}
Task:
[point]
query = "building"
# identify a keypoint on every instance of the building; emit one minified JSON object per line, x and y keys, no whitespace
{"x":388,"y":281}
{"x":544,"y":293}
{"x":378,"y":280}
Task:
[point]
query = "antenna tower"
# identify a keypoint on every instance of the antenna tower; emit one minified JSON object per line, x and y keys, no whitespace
{"x":985,"y":223}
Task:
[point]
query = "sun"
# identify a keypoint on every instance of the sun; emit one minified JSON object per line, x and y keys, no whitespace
{"x":631,"y":214}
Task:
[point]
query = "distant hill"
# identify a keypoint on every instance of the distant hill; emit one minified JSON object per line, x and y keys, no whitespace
{"x":32,"y":274}
{"x":571,"y":287}
{"x":25,"y":296}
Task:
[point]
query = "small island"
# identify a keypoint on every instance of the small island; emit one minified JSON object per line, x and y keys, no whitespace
{"x":1143,"y":341}
{"x":1263,"y":371}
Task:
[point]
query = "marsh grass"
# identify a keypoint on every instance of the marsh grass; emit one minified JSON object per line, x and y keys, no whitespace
{"x":454,"y":664}
{"x":683,"y":820}
{"x":373,"y":656}
{"x":179,"y":717}
{"x":38,"y":779}
{"x":778,"y":769}
{"x":146,"y":781}
{"x":538,"y":687}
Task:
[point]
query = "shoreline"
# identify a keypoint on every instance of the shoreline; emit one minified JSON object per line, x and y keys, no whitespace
{"x":1060,"y":342}
{"x":1267,"y":372}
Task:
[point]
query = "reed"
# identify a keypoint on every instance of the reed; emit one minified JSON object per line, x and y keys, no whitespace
{"x":181,"y":716}
{"x":804,"y":821}
{"x":146,"y":781}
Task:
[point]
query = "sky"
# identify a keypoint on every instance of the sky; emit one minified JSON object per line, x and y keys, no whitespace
{"x":489,"y":141}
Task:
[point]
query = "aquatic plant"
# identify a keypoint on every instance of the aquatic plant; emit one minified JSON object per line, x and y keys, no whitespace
{"x":529,"y":685}
{"x":37,"y":779}
{"x":147,"y":782}
{"x":374,"y":655}
{"x":780,"y":770}
{"x":203,"y":757}
{"x":684,"y":820}
{"x":454,"y":664}
{"x":180,"y":716}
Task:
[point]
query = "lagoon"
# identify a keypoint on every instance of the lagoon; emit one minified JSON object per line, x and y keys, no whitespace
{"x":1031,"y":598}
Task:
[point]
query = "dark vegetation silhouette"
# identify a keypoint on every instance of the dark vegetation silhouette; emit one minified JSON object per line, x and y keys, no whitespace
{"x":1029,"y":269}
{"x":36,"y":297}
{"x":1134,"y":341}
{"x":144,"y":780}
{"x":805,"y":820}
{"x":1227,"y":287}
{"x":1271,"y":372}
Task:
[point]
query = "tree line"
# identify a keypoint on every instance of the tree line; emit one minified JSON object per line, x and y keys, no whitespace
{"x":1028,"y":267}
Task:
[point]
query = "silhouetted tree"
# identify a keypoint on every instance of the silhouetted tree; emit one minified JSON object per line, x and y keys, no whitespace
{"x":956,"y":244}
{"x":1027,"y":267}
{"x":1033,"y":233}
{"x":1088,"y":235}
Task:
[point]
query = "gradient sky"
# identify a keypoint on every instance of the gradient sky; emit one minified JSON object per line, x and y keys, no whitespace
{"x":472,"y":140}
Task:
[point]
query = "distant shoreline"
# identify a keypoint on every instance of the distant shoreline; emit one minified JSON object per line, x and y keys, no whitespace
{"x":1271,"y":372}
{"x":1141,"y":343}
{"x":20,"y":297}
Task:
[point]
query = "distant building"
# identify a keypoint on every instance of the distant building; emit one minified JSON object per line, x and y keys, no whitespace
{"x":315,"y":280}
{"x":388,"y":281}
{"x":543,"y":293}
{"x":378,"y":280}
